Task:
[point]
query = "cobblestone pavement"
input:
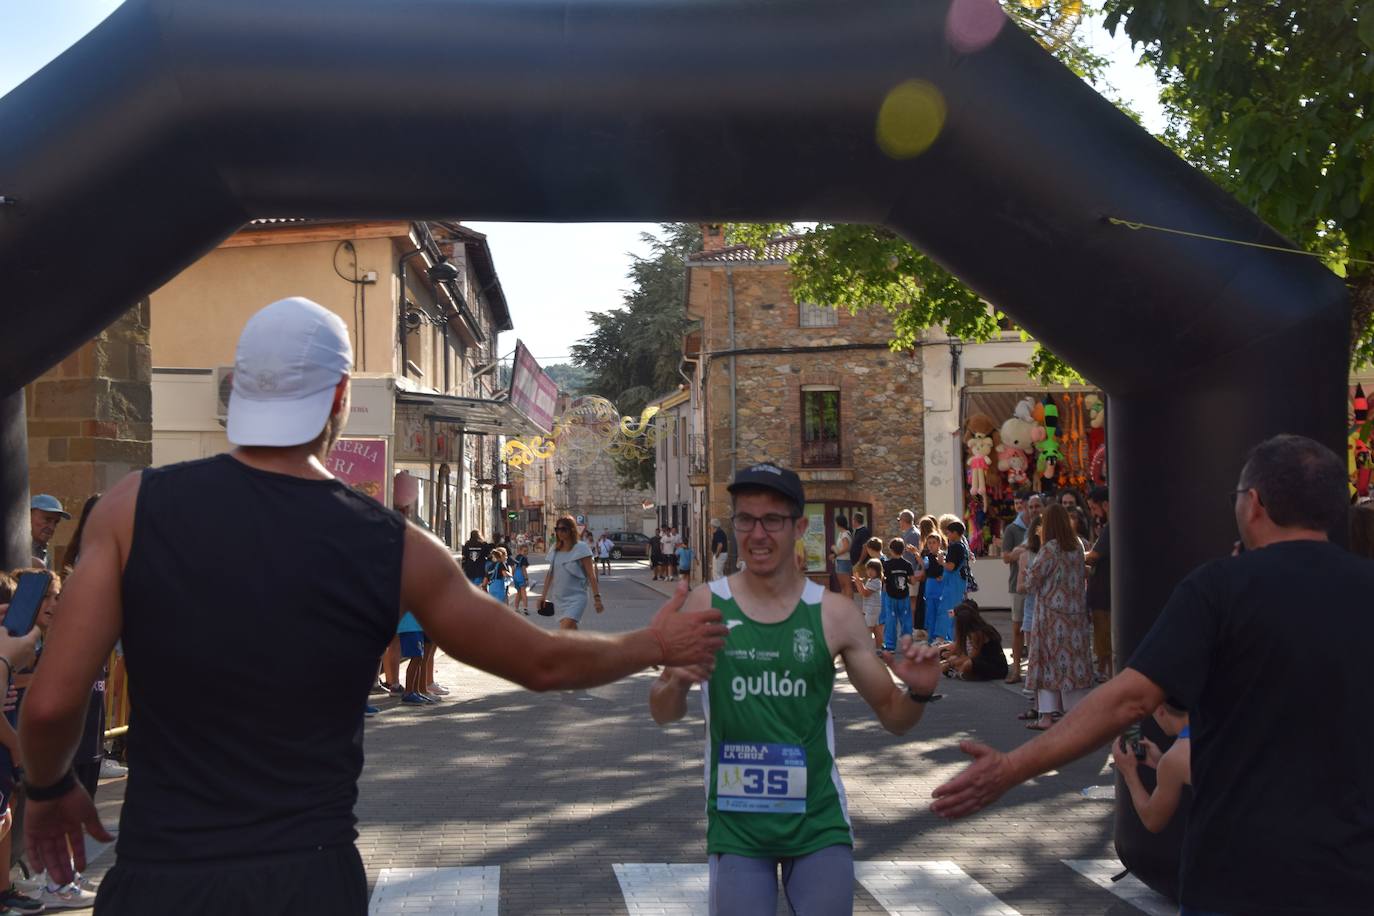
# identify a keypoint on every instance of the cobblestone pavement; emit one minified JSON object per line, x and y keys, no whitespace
{"x":555,"y":798}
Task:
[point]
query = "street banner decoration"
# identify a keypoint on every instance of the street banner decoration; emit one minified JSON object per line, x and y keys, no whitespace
{"x":590,"y":427}
{"x":532,"y":392}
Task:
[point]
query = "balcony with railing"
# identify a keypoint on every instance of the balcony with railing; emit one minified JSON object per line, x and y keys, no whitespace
{"x":820,"y":453}
{"x":696,"y":455}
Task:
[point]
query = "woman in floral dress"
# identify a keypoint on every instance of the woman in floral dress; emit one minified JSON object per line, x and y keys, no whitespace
{"x":1061,"y":659}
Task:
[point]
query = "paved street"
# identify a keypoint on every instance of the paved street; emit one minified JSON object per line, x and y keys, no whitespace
{"x":574,"y":802}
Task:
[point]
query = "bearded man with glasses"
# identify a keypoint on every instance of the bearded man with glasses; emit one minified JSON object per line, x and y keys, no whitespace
{"x":774,"y":796}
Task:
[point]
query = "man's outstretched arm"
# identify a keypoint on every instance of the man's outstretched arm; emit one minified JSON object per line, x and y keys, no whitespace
{"x":1106,"y":713}
{"x":478,"y":630}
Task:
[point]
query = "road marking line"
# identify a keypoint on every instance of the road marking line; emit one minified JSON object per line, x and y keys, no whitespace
{"x":912,"y":888}
{"x":467,"y":891}
{"x":1130,"y":888}
{"x":656,"y":889}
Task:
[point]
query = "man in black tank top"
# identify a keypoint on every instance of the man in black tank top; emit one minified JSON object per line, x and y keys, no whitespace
{"x":236,"y":803}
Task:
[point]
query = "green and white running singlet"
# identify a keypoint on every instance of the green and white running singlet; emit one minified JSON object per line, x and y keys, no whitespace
{"x":772,"y":788}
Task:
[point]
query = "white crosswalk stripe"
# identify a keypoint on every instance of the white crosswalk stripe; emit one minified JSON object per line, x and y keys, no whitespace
{"x":902,"y":888}
{"x":911,"y":888}
{"x":1130,"y":888}
{"x":653,"y":889}
{"x":467,"y":891}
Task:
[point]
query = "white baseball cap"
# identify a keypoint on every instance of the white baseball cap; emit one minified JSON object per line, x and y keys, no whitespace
{"x":290,"y":358}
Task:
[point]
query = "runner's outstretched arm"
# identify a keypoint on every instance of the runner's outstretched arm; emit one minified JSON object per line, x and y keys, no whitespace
{"x":917,"y":665}
{"x":1106,"y":713}
{"x":478,"y":630}
{"x":54,"y":711}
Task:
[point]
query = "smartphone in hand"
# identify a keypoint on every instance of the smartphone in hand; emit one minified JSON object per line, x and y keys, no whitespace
{"x":28,"y":598}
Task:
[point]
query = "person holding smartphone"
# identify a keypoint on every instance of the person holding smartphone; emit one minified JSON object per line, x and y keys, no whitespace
{"x":1173,"y":768}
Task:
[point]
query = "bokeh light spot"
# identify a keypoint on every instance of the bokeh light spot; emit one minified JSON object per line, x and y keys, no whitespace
{"x":911,"y":117}
{"x":971,"y":25}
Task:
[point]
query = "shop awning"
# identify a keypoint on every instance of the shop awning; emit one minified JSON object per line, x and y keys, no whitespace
{"x":490,"y":416}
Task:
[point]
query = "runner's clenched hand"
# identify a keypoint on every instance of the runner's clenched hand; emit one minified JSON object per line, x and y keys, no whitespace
{"x":688,"y":637}
{"x":917,"y":664}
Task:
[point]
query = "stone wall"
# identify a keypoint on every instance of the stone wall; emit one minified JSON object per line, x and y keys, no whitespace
{"x":881,"y":393}
{"x":90,"y":417}
{"x":594,"y":490}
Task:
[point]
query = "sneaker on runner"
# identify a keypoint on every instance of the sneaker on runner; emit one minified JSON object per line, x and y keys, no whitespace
{"x":15,"y":901}
{"x":369,"y":711}
{"x":110,"y":769}
{"x":437,"y":690}
{"x":67,"y":897}
{"x":427,"y":698}
{"x":414,"y":699}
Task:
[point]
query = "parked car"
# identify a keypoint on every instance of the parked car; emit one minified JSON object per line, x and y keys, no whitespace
{"x":629,"y":544}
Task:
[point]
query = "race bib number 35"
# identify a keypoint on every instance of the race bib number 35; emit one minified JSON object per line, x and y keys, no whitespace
{"x":761,"y":778}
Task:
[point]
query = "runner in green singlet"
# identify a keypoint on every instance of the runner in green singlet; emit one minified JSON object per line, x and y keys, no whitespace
{"x":773,"y":792}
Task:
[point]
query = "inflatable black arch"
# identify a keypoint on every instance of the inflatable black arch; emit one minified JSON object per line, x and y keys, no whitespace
{"x":176,"y":121}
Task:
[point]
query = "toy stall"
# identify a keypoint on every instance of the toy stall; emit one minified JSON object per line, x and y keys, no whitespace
{"x":1359,"y":435}
{"x":1044,"y":440}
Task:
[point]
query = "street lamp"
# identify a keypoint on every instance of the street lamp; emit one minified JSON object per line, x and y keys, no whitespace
{"x":956,"y":348}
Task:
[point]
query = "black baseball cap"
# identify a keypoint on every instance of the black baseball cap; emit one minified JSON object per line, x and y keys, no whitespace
{"x":769,"y":476}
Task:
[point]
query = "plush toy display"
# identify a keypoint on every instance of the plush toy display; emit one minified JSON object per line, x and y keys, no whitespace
{"x":1357,"y":449}
{"x":1099,"y":465}
{"x":1015,"y":465}
{"x":1048,"y":453}
{"x":1097,"y":422}
{"x":1012,"y":462}
{"x":980,"y":447}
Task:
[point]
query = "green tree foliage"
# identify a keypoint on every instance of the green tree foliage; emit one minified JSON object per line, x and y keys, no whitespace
{"x":568,"y":377}
{"x":854,"y":266}
{"x":1272,"y":99}
{"x":633,"y":353}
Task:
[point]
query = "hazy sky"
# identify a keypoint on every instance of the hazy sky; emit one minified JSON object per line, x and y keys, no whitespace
{"x":552,"y":273}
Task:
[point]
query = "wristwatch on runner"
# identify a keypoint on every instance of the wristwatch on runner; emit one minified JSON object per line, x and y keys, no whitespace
{"x":922,"y":697}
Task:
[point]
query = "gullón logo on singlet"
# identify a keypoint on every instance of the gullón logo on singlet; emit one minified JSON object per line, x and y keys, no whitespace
{"x":768,"y":684}
{"x":803,"y":645}
{"x":753,"y":655}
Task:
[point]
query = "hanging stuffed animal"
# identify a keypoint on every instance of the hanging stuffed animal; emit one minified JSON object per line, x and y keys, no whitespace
{"x":973,"y":523}
{"x":1097,"y":420}
{"x":1359,"y":413}
{"x":1099,"y":465}
{"x":1048,"y":456}
{"x":980,"y":447}
{"x":981,"y":424}
{"x":1012,"y":462}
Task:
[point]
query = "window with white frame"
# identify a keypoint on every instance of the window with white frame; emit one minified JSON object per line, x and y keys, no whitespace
{"x":818,"y":316}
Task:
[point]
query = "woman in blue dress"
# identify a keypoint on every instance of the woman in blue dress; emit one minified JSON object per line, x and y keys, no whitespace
{"x":571,"y":574}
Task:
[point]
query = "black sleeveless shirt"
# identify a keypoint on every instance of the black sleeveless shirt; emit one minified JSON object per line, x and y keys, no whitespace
{"x":256,"y":606}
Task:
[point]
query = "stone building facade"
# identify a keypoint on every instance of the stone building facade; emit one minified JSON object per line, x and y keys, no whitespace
{"x":90,"y":418}
{"x":592,"y":491}
{"x":809,"y":386}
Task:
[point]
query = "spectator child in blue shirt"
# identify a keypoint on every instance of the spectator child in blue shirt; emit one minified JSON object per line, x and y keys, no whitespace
{"x":684,"y":562}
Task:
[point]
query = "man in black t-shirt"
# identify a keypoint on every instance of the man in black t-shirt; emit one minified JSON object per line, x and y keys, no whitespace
{"x":238,"y":803}
{"x":476,"y":553}
{"x":858,"y":540}
{"x":1282,"y":814}
{"x":720,"y":549}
